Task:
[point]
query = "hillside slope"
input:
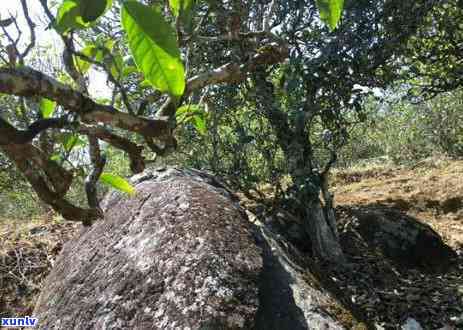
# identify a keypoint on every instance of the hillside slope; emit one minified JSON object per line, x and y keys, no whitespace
{"x":375,"y":291}
{"x":432,"y":191}
{"x":387,"y":293}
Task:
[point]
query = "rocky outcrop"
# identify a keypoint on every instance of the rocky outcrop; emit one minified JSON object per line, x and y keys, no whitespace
{"x":178,"y":255}
{"x":398,"y":236}
{"x":288,"y":301}
{"x":181,"y":254}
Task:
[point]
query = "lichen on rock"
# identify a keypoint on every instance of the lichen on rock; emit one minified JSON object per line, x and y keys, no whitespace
{"x":178,"y":255}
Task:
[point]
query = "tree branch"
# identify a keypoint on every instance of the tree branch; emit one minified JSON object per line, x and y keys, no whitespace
{"x":234,"y":73}
{"x":134,"y":151}
{"x":31,"y":29}
{"x":39,"y":171}
{"x":10,"y":135}
{"x":28,"y":82}
{"x":98,"y":161}
{"x":231,"y":73}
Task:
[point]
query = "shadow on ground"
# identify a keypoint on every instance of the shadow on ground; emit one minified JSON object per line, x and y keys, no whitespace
{"x":386,"y":282}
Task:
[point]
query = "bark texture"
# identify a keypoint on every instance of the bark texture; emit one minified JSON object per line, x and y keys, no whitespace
{"x":308,"y":181}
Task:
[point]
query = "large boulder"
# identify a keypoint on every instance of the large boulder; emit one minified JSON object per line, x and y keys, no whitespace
{"x":181,"y":254}
{"x":288,"y":300}
{"x":178,"y":255}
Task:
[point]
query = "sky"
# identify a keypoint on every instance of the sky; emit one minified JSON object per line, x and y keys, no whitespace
{"x":47,"y":39}
{"x":13,"y":7}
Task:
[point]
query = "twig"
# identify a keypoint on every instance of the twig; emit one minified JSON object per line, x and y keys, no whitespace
{"x":31,"y":29}
{"x":98,"y":162}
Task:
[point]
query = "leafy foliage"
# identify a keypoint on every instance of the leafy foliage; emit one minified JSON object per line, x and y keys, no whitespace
{"x":69,"y":17}
{"x":330,"y":11}
{"x":117,"y":182}
{"x":47,"y":107}
{"x":91,"y":51}
{"x":182,"y":9}
{"x":90,"y":10}
{"x":72,"y":141}
{"x":77,"y":14}
{"x":404,"y":132}
{"x":154,"y":47}
{"x":434,"y":63}
{"x":194,"y":114}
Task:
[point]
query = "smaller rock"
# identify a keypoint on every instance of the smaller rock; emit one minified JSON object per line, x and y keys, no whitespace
{"x":411,"y":324}
{"x":447,"y":327}
{"x":458,"y":320}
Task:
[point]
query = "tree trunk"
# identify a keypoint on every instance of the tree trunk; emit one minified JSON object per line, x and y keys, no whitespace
{"x":294,"y":140}
{"x":318,"y":224}
{"x":319,"y":220}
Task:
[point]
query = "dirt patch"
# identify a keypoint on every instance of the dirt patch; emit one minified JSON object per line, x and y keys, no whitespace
{"x":352,"y":176}
{"x":384,"y":291}
{"x":451,"y":205}
{"x":27,"y":254}
{"x":431,"y":192}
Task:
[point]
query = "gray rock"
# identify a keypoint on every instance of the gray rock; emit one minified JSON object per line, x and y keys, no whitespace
{"x":181,"y":254}
{"x":178,"y":255}
{"x":402,"y":238}
{"x":287,"y":300}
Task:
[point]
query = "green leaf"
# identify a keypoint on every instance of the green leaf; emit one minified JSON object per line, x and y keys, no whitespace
{"x":175,"y":6}
{"x":117,"y":66}
{"x":56,"y":157}
{"x":330,"y":11}
{"x":91,"y":51}
{"x":129,"y":70}
{"x":109,"y":44}
{"x":192,"y":113}
{"x":199,"y":123}
{"x":72,"y":141}
{"x":68,"y":17}
{"x":181,"y":7}
{"x":90,"y":10}
{"x":153,"y":45}
{"x":47,"y":107}
{"x":185,"y":112}
{"x":78,"y":14}
{"x":145,"y":84}
{"x":117,"y":182}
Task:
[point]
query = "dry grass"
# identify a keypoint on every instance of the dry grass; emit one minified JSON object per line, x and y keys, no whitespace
{"x":432,"y":191}
{"x":27,"y":252}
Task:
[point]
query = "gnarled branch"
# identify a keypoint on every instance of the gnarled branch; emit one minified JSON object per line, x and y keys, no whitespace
{"x":10,"y":135}
{"x":29,"y":82}
{"x":98,"y":161}
{"x":134,"y":151}
{"x":231,"y":73}
{"x":39,"y":171}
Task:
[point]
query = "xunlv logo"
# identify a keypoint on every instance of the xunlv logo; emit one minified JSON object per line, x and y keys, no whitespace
{"x":19,"y":321}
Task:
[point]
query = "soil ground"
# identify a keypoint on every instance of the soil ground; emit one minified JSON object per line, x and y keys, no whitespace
{"x":383,"y":293}
{"x":27,"y":253}
{"x":431,"y":191}
{"x":376,"y":292}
